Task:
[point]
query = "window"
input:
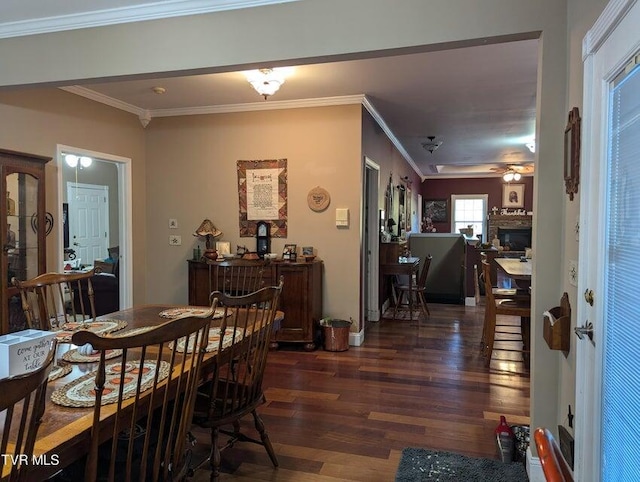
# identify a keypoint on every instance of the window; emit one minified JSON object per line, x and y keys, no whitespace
{"x":469,"y":209}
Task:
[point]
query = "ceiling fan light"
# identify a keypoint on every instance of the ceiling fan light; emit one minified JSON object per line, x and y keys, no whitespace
{"x":516,"y":176}
{"x":508,"y":176}
{"x":85,"y":161}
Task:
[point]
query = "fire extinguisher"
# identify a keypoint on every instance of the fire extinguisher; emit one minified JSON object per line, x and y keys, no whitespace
{"x":505,"y":439}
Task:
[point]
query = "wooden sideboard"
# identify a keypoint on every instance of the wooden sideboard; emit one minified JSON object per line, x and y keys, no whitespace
{"x":389,"y":253}
{"x":301,"y":299}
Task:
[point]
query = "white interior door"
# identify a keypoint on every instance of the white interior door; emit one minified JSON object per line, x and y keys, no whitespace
{"x":607,"y":387}
{"x":88,"y":221}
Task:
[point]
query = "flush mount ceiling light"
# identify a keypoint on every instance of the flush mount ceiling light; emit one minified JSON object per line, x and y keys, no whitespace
{"x":431,"y":145}
{"x":72,"y":160}
{"x":266,"y":81}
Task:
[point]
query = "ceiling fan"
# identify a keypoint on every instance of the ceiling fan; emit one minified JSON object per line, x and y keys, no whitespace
{"x":513,"y":172}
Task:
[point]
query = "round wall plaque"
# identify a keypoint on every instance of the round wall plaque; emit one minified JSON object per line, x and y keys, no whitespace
{"x":318,"y":199}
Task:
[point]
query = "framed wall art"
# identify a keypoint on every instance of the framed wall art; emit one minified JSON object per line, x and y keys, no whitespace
{"x":436,"y":209}
{"x":262,"y":196}
{"x":513,"y":195}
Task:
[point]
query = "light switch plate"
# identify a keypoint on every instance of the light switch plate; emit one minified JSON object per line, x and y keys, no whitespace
{"x":173,"y":223}
{"x":175,"y":240}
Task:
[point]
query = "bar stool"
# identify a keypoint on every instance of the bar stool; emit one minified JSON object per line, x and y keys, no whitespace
{"x":503,"y":306}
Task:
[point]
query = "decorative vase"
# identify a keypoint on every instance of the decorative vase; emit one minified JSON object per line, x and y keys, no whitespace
{"x":210,"y":254}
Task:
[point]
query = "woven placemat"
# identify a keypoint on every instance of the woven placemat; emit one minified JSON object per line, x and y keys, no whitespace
{"x":101,"y":327}
{"x":133,"y":331}
{"x":59,"y":371}
{"x":214,"y":340}
{"x":190,"y":310}
{"x":80,"y":393}
{"x":74,"y":356}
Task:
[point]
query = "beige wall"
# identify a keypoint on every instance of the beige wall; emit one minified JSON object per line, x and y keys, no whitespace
{"x":36,"y":121}
{"x":581,"y":16}
{"x":192,"y":175}
{"x":311,"y":30}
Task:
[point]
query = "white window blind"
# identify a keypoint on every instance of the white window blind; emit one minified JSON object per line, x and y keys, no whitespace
{"x":621,"y":353}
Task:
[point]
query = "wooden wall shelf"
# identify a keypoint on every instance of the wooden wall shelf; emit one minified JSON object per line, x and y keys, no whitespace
{"x":558,"y":335}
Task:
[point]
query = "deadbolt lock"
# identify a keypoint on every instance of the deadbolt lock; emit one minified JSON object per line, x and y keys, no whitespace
{"x":588,"y":296}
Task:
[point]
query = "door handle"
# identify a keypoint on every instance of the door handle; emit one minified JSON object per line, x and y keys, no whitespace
{"x":586,"y":329}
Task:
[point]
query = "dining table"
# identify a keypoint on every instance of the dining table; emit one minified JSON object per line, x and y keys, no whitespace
{"x":518,"y":269}
{"x":64,"y":433}
{"x":407,"y":266}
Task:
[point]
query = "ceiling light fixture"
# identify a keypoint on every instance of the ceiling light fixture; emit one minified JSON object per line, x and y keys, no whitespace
{"x":72,"y":160}
{"x":431,"y":145}
{"x":511,"y":175}
{"x":266,"y":81}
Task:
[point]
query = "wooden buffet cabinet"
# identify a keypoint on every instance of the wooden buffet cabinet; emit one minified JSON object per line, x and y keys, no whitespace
{"x":301,"y":298}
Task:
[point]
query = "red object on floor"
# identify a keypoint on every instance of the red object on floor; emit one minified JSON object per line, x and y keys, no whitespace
{"x":503,"y":428}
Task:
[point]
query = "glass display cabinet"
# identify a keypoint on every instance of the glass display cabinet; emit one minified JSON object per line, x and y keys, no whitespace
{"x":23,"y":227}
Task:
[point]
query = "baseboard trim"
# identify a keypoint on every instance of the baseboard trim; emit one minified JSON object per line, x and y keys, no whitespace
{"x":373,"y":315}
{"x":534,"y":469}
{"x":356,"y":339}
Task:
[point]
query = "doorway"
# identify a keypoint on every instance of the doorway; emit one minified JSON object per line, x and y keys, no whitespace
{"x":371,"y":239}
{"x":111,"y":175}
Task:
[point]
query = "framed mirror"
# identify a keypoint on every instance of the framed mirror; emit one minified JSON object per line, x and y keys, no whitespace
{"x":572,"y":153}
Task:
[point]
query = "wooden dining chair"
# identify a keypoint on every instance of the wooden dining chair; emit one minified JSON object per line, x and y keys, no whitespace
{"x":22,"y":403}
{"x":237,"y":276}
{"x":554,"y":465}
{"x":52,"y":299}
{"x":234,"y":389}
{"x":416,"y":290}
{"x":148,"y":397}
{"x":502,"y":306}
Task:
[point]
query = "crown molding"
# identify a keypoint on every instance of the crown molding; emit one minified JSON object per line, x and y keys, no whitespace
{"x":366,"y":102}
{"x":104,"y":99}
{"x":136,"y":13}
{"x":256,"y":106}
{"x":146,"y":115}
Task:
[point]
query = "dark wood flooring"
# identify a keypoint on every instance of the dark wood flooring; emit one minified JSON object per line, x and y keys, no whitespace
{"x":346,"y":416}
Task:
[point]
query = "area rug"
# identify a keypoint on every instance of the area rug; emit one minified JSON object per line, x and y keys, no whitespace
{"x":417,"y":465}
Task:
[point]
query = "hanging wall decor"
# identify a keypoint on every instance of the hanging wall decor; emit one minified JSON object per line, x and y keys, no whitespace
{"x":572,"y":153}
{"x":262,"y":196}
